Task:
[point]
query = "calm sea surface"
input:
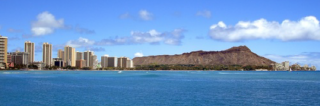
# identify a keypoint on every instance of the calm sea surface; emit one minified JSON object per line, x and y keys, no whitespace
{"x":159,"y":88}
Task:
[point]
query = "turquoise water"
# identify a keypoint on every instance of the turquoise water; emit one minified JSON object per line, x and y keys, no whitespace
{"x":159,"y":88}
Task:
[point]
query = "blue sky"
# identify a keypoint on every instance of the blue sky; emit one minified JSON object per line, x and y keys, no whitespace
{"x":279,"y":30}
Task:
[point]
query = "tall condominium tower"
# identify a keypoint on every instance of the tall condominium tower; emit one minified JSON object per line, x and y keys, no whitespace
{"x":93,"y":62}
{"x":122,"y":62}
{"x":29,"y":48}
{"x":104,"y":61}
{"x":61,"y":54}
{"x":129,"y":63}
{"x":79,"y":56}
{"x":70,"y":56}
{"x":87,"y":55}
{"x":112,"y":61}
{"x":47,"y":54}
{"x":3,"y":51}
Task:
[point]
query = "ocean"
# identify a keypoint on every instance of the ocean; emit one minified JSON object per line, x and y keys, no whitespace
{"x":159,"y":88}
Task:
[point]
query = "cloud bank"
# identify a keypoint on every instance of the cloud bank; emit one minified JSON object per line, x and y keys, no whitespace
{"x":305,"y":29}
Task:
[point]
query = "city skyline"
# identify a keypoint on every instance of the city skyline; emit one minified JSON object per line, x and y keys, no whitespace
{"x":108,"y":27}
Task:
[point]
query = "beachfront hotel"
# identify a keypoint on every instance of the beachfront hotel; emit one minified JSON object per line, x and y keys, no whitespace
{"x":29,"y":48}
{"x":87,"y":55}
{"x":104,"y":61}
{"x":112,"y":61}
{"x":3,"y":51}
{"x":69,"y":56}
{"x":47,"y":54}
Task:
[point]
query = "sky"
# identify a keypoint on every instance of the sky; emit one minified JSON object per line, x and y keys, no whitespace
{"x":281,"y":30}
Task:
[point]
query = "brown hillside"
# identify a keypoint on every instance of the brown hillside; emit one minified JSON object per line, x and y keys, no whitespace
{"x":241,"y":55}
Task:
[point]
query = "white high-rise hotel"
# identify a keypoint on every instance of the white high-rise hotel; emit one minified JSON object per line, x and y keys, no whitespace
{"x":47,"y":54}
{"x":29,"y":48}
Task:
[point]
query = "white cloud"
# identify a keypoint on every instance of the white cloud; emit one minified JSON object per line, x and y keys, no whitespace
{"x":46,"y":24}
{"x":147,"y":37}
{"x":153,"y":37}
{"x":204,"y":13}
{"x":138,"y":54}
{"x":81,"y":42}
{"x":145,"y":15}
{"x":305,"y":29}
{"x":310,"y":58}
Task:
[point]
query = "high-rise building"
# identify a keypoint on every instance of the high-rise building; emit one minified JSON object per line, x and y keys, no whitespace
{"x":122,"y":62}
{"x":3,"y":51}
{"x":129,"y":63}
{"x":29,"y":48}
{"x":79,"y":56}
{"x":286,"y":65}
{"x":18,"y":58}
{"x":61,"y":54}
{"x":112,"y":61}
{"x":93,"y":62}
{"x":80,"y":63}
{"x":86,"y":56}
{"x":47,"y":54}
{"x":70,"y":56}
{"x":104,"y":61}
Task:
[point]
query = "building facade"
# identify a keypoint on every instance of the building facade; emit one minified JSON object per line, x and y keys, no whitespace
{"x":122,"y":62}
{"x":112,"y":61}
{"x":87,"y":57}
{"x":129,"y":64}
{"x":79,"y":56}
{"x":286,"y":66}
{"x":104,"y":61}
{"x":69,"y":56}
{"x":61,"y":54}
{"x":80,"y":63}
{"x":58,"y":62}
{"x":93,"y":62}
{"x":47,"y":54}
{"x":18,"y":58}
{"x":29,"y":48}
{"x":3,"y":51}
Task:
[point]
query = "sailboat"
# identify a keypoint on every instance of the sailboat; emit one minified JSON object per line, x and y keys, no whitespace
{"x":290,"y":69}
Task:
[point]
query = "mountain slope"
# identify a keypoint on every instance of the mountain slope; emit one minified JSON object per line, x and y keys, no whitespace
{"x":241,"y":55}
